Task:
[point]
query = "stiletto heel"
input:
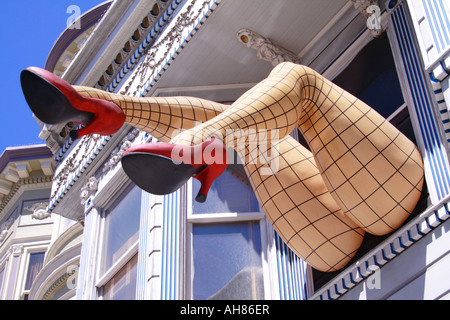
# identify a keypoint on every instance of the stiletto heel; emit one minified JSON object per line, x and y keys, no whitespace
{"x":206,"y":178}
{"x":53,"y":101}
{"x":162,"y":168}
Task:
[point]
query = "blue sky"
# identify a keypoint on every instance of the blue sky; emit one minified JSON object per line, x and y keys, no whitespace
{"x":29,"y":29}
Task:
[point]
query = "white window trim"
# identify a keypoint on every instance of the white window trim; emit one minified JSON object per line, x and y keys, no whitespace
{"x":228,"y":217}
{"x":119,"y":264}
{"x":41,"y":247}
{"x":3,"y":267}
{"x":102,"y":278}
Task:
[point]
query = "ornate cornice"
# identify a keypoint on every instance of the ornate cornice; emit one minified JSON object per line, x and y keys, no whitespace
{"x":144,"y":36}
{"x":75,"y":165}
{"x":56,"y":136}
{"x":21,"y":185}
{"x":161,"y":55}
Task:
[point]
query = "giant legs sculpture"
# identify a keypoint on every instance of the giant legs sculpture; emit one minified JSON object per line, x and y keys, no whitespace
{"x":361,"y":175}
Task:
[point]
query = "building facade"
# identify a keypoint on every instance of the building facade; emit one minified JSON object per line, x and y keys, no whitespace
{"x":394,"y":55}
{"x":26,"y":228}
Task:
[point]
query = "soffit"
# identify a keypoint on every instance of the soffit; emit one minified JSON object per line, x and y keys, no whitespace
{"x":214,"y":56}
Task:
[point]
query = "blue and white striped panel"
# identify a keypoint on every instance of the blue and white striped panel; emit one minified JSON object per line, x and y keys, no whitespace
{"x":437,"y":13}
{"x":141,"y":281}
{"x":442,"y":106}
{"x":434,"y":146}
{"x":291,"y":273}
{"x":170,"y":247}
{"x":439,"y":22}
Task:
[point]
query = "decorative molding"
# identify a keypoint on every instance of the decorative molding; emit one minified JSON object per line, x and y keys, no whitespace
{"x":64,"y":241}
{"x":16,"y":249}
{"x":4,"y":228}
{"x":56,"y":136}
{"x":39,"y":211}
{"x":23,"y":169}
{"x":88,"y":190}
{"x":142,"y":39}
{"x":11,"y":175}
{"x":265,"y":48}
{"x":59,"y":283}
{"x":23,"y":185}
{"x":55,"y":272}
{"x":421,"y":101}
{"x":161,"y":55}
{"x":116,"y":155}
{"x":80,"y":159}
{"x":431,"y":21}
{"x":69,"y":35}
{"x":442,"y":105}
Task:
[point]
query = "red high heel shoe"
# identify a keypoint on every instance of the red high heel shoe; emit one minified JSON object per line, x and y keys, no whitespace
{"x":162,"y":168}
{"x":53,"y":100}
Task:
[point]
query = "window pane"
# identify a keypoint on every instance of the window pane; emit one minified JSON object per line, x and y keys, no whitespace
{"x":372,"y":77}
{"x":121,"y":227}
{"x":35,"y":265}
{"x":227,"y":261}
{"x":123,"y":285}
{"x":231,"y":192}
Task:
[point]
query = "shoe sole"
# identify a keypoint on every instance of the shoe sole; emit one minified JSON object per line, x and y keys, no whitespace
{"x":48,"y":103}
{"x":156,"y":174}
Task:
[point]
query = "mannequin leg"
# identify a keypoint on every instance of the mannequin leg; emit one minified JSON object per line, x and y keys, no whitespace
{"x":309,"y":220}
{"x":372,"y":170}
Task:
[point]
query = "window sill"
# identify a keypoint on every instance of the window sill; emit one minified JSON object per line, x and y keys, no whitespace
{"x":386,"y":251}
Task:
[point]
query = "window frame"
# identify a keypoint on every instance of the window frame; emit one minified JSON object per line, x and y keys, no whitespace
{"x":192,"y":219}
{"x":26,"y":265}
{"x":103,"y":277}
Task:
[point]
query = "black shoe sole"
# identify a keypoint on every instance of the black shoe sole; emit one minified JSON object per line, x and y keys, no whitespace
{"x":156,"y":174}
{"x":48,"y":103}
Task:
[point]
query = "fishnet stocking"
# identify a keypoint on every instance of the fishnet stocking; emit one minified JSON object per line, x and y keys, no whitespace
{"x":372,"y":170}
{"x":163,"y":118}
{"x":299,"y":206}
{"x":362,"y":172}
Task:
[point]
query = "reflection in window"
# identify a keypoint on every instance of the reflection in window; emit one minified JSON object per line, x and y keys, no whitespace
{"x":121,"y":227}
{"x":34,"y":266}
{"x":227,"y":261}
{"x":372,"y":77}
{"x":123,"y":285}
{"x":231,"y":192}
